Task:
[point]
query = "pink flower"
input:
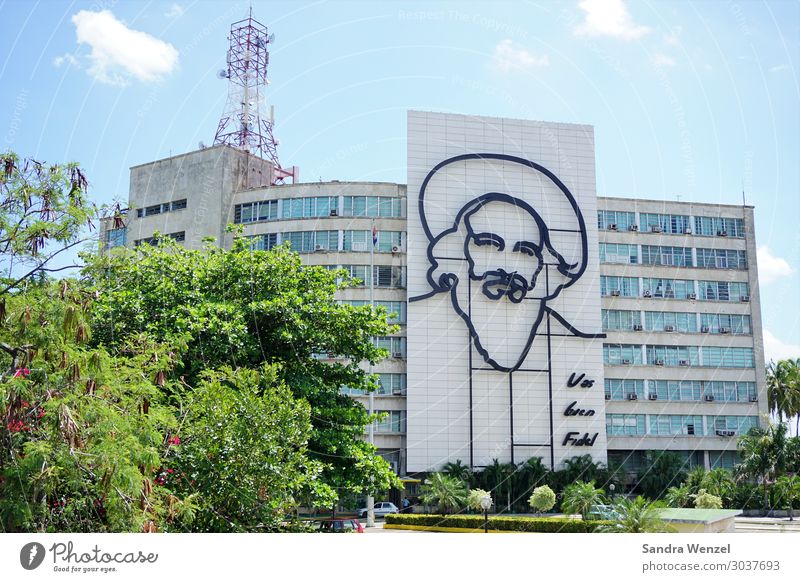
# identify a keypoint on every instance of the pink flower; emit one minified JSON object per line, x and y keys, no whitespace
{"x":176,"y":440}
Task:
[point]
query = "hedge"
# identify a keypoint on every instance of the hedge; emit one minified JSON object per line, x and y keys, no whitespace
{"x":522,"y":524}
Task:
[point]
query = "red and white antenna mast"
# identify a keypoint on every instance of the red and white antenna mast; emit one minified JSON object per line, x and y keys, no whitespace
{"x":244,"y":124}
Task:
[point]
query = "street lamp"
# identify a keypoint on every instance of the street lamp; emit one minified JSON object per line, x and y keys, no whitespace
{"x":486,"y":503}
{"x":611,"y":489}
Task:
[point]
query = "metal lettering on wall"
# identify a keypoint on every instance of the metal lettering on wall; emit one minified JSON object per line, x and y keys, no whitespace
{"x":508,"y":255}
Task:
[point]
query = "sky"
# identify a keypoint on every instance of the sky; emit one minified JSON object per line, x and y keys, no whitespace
{"x":696,"y":101}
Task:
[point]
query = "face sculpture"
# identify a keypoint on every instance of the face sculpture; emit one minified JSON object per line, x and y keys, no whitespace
{"x":499,"y":260}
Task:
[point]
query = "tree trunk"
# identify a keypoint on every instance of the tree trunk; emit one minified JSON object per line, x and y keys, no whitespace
{"x":766,"y":496}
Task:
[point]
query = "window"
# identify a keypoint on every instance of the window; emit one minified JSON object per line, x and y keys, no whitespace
{"x":384,"y":275}
{"x":115,"y":237}
{"x":623,"y":286}
{"x":668,"y":288}
{"x":723,"y":459}
{"x":667,"y":223}
{"x":392,"y":421}
{"x":670,"y":256}
{"x":151,"y":240}
{"x":151,"y":210}
{"x":255,"y":211}
{"x":723,"y":290}
{"x":312,"y":207}
{"x":361,"y":240}
{"x":373,"y":206}
{"x":622,"y":220}
{"x":675,"y":424}
{"x":737,"y":424}
{"x":719,"y":357}
{"x":673,"y":356}
{"x":622,"y":354}
{"x":396,"y":346}
{"x":670,"y":321}
{"x":263,"y":242}
{"x":312,"y":240}
{"x":395,"y":310}
{"x":716,"y":225}
{"x":686,"y":390}
{"x":391,"y":384}
{"x":621,"y":254}
{"x":620,"y":389}
{"x":620,"y":320}
{"x":721,"y":259}
{"x":625,"y":425}
{"x":724,"y":323}
{"x":178,"y":205}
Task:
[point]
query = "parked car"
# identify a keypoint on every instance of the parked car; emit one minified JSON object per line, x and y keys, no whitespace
{"x":382,"y":509}
{"x":340,"y":525}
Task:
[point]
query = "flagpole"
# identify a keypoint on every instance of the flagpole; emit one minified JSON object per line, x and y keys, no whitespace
{"x":370,"y":496}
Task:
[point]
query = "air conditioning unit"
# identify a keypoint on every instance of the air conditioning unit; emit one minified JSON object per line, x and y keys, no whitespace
{"x":319,"y":248}
{"x":647,"y":294}
{"x":726,"y":433}
{"x":615,"y":293}
{"x":744,"y":298}
{"x":684,"y":363}
{"x":633,"y":227}
{"x":687,"y":231}
{"x":397,"y":391}
{"x":754,"y":398}
{"x":722,"y":233}
{"x":692,"y":296}
{"x":612,"y":227}
{"x":632,"y":396}
{"x":638,"y":327}
{"x":608,"y":396}
{"x":659,"y":362}
{"x":397,"y":355}
{"x":708,"y":398}
{"x":705,"y":329}
{"x":669,"y":328}
{"x":395,"y":249}
{"x":334,"y":212}
{"x":626,"y":362}
{"x":724,"y":330}
{"x":652,"y":396}
{"x":655,"y":228}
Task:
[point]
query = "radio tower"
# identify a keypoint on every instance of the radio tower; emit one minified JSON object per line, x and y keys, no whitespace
{"x":243,"y":124}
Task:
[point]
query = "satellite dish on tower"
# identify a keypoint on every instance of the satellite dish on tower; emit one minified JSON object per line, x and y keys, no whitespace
{"x":222,"y":74}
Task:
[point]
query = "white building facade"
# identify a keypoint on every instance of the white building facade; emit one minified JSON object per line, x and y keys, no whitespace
{"x":536,"y":319}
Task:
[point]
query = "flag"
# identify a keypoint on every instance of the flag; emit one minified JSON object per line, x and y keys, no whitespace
{"x":374,"y":235}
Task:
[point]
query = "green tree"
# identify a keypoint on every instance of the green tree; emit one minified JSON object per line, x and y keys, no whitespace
{"x":475,"y":497}
{"x":637,"y":516}
{"x":783,"y":390}
{"x":43,"y":212}
{"x":719,"y":482}
{"x":542,"y":499}
{"x":661,"y":471}
{"x":705,"y":500}
{"x":499,"y":478}
{"x":446,"y":493}
{"x":457,"y":470}
{"x":788,"y":492}
{"x":581,"y":497}
{"x":763,"y":454}
{"x":244,"y":308}
{"x":678,"y":496}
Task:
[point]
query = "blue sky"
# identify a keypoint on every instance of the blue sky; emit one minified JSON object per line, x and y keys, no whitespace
{"x":690,"y":99}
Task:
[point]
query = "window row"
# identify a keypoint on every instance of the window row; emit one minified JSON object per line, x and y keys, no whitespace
{"x":680,"y":390}
{"x":389,"y":384}
{"x":161,"y":208}
{"x":670,"y":223}
{"x":391,"y":421}
{"x":705,"y":356}
{"x":309,"y":241}
{"x":318,"y":207}
{"x":396,"y":346}
{"x":678,"y":425}
{"x":627,"y":254}
{"x":673,"y":289}
{"x":628,"y":320}
{"x":151,"y":240}
{"x":395,"y":310}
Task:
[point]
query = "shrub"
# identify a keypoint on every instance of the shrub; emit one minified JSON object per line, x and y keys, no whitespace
{"x":704,"y":500}
{"x":542,"y":499}
{"x":520,"y":524}
{"x":474,"y":498}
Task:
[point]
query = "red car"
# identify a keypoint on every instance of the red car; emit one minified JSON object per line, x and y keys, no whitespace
{"x":341,"y":525}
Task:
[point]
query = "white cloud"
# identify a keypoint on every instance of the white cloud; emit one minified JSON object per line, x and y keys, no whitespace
{"x":771,"y":267}
{"x":119,"y":52}
{"x":777,"y":68}
{"x":510,"y":57}
{"x":68,"y":59}
{"x":609,"y":18}
{"x":175,"y":11}
{"x":662,"y":60}
{"x":674,"y":37}
{"x":775,"y":349}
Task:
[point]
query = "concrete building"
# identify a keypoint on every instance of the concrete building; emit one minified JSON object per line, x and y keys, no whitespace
{"x":672,"y":285}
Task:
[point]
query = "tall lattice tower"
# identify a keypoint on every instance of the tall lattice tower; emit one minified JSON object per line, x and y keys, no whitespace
{"x":244,"y":123}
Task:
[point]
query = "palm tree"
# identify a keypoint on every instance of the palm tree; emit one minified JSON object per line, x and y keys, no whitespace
{"x":757,"y":449}
{"x":789,"y":492}
{"x":662,"y":470}
{"x":580,"y":468}
{"x":499,"y":478}
{"x":457,"y":470}
{"x":719,"y":482}
{"x":446,"y":493}
{"x":637,"y":516}
{"x":530,"y":474}
{"x":783,"y":389}
{"x":680,"y":496}
{"x":581,"y":497}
